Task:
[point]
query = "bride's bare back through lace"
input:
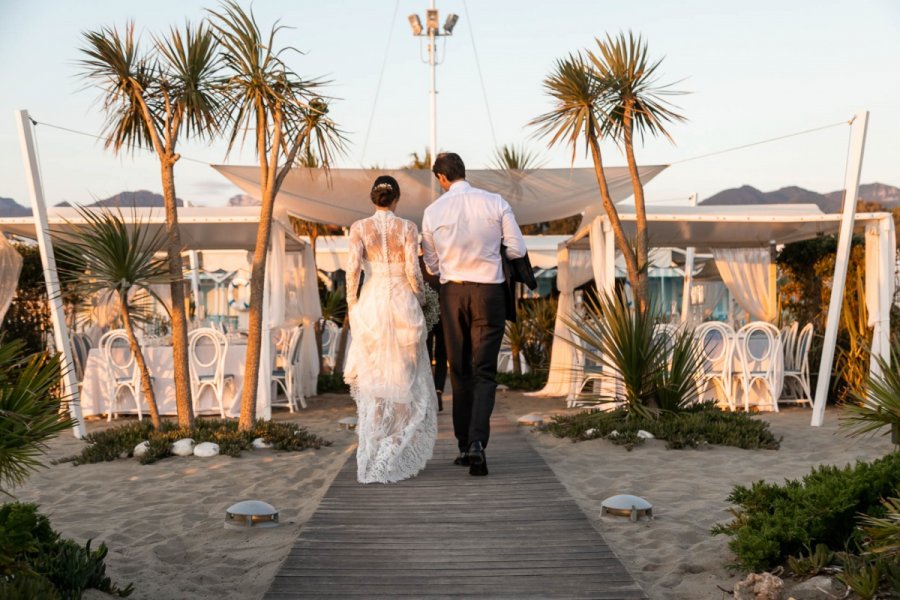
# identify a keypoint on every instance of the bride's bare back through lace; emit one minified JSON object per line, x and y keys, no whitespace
{"x":387,"y":365}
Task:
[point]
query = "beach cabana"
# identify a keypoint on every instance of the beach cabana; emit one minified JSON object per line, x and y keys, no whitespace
{"x":740,"y":239}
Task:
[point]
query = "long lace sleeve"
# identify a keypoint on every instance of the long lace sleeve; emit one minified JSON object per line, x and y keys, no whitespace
{"x":411,"y":257}
{"x":354,"y":264}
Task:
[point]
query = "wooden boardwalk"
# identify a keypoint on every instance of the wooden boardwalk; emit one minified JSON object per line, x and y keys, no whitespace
{"x":514,"y":534}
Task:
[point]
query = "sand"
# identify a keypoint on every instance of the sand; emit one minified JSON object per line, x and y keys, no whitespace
{"x":164,"y":522}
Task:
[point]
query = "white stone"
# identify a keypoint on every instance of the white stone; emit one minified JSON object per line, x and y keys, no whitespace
{"x":140,"y":449}
{"x":614,"y":433}
{"x":590,"y":432}
{"x":502,"y":387}
{"x":646,"y":435}
{"x":261,"y":444}
{"x":531,"y":420}
{"x":206,"y":449}
{"x":183,"y":447}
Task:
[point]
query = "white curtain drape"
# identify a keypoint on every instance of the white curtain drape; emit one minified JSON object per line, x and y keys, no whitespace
{"x":880,"y":277}
{"x":10,"y":267}
{"x":574,"y":269}
{"x":311,"y":311}
{"x":745,"y":271}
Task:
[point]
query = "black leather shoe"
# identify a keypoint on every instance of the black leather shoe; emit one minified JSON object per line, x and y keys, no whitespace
{"x":462,"y":459}
{"x":477,"y":460}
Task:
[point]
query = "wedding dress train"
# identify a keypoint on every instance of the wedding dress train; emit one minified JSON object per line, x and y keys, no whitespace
{"x":387,"y":367}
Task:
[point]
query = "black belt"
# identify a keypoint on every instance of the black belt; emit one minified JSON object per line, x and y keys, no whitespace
{"x":471,"y":282}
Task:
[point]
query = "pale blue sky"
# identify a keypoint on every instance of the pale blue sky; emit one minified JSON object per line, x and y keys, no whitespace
{"x":755,"y":70}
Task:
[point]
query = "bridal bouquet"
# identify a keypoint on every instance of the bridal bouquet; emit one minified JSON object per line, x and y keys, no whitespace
{"x":432,"y":308}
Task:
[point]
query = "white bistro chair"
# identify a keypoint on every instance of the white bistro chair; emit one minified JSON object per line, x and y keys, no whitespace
{"x":788,"y":344}
{"x":288,"y":376}
{"x":122,"y":371}
{"x":716,"y":349}
{"x":207,"y":348}
{"x":761,"y":359}
{"x":586,"y":371}
{"x":796,"y":372}
{"x":81,"y":347}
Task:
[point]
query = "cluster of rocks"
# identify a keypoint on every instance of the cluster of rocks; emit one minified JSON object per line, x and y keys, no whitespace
{"x":766,"y":586}
{"x":187,"y":447}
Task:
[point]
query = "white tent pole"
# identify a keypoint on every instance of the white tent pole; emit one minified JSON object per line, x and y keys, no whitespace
{"x":195,"y":280}
{"x":609,"y":262}
{"x":51,"y":276}
{"x":773,"y":283}
{"x":842,"y":258}
{"x":688,"y":273}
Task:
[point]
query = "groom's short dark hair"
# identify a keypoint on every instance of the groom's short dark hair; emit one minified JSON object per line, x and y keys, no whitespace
{"x":450,"y":165}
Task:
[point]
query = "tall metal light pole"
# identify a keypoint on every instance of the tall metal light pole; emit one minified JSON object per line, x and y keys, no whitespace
{"x":432,"y":32}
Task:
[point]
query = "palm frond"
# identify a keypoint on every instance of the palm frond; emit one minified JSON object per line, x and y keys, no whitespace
{"x":515,"y":158}
{"x":630,"y":80}
{"x":878,"y":406}
{"x":577,"y":97}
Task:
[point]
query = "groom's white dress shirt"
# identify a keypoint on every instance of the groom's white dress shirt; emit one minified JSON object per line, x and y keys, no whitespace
{"x":462,"y":232}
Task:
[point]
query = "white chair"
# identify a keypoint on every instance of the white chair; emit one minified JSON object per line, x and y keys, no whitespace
{"x":331,"y":338}
{"x":122,"y":371}
{"x":81,"y":347}
{"x":288,"y":377}
{"x":586,"y":370}
{"x":207,"y":348}
{"x":788,"y":343}
{"x":761,"y":358}
{"x":796,"y":377}
{"x":716,"y":350}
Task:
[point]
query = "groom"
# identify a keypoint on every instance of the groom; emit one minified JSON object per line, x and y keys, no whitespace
{"x":461,"y":236}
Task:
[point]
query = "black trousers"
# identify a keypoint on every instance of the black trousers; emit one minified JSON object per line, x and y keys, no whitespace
{"x":474,"y":318}
{"x":437,"y":352}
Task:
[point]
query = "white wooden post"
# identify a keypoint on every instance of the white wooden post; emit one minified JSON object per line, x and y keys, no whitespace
{"x":859,"y":126}
{"x":688,"y":273}
{"x":195,"y":281}
{"x":51,"y":276}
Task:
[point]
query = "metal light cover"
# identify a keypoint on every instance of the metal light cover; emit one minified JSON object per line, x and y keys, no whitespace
{"x":251,"y":513}
{"x":450,"y":23}
{"x":626,"y":505}
{"x":431,"y":20}
{"x":416,"y":24}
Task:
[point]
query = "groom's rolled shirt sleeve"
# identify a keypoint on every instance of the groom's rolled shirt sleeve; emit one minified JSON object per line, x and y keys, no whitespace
{"x":512,"y":235}
{"x":429,"y":254}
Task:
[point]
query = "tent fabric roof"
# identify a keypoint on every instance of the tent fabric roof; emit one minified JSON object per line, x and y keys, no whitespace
{"x":342,"y":197}
{"x":202,"y":228}
{"x":743,"y":226}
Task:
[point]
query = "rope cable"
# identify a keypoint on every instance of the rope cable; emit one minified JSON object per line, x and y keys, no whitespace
{"x":387,"y":48}
{"x":487,"y":106}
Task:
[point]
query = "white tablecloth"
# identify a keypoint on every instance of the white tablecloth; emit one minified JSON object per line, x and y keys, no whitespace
{"x":95,"y":387}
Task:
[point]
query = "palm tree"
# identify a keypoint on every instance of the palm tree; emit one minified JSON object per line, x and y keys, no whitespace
{"x":110,"y":257}
{"x":420,"y":163}
{"x":515,"y":158}
{"x":610,"y":94}
{"x":265,"y":96}
{"x":150,"y":100}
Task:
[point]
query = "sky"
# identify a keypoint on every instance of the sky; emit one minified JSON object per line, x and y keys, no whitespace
{"x":753,"y":71}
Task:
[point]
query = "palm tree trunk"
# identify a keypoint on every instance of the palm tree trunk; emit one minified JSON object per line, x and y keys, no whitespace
{"x":146,"y":385}
{"x":174,"y":247}
{"x":642,"y":241}
{"x":631,"y":265}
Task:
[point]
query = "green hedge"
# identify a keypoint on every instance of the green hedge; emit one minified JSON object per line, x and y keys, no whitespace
{"x":526,"y":382}
{"x":773,"y":522}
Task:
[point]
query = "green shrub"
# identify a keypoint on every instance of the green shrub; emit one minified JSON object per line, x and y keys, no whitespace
{"x":773,"y":522}
{"x":35,"y":562}
{"x":527,"y":382}
{"x":119,"y":442}
{"x":701,"y":424}
{"x":332,"y":383}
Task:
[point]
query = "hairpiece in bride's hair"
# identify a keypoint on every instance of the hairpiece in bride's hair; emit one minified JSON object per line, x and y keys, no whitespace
{"x":383,"y":186}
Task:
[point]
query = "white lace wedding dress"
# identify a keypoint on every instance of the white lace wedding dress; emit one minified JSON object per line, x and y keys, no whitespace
{"x":387,"y":367}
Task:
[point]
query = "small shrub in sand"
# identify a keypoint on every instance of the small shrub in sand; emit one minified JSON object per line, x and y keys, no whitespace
{"x":689,"y":428}
{"x":119,"y":442}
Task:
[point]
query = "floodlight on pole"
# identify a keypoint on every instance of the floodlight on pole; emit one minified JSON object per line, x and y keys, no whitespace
{"x":432,"y":31}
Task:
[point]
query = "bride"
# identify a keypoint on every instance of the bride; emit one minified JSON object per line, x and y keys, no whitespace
{"x":387,"y":364}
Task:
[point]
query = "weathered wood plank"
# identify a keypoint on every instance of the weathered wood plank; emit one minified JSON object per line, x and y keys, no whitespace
{"x":514,"y":534}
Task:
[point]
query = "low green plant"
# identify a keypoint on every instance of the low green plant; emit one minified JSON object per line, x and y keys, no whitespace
{"x":35,"y":562}
{"x":119,"y":442}
{"x":772,"y":521}
{"x":29,"y":411}
{"x":811,"y":563}
{"x":693,"y":426}
{"x":861,"y":575}
{"x":527,"y":382}
{"x":332,"y":383}
{"x":883,"y":532}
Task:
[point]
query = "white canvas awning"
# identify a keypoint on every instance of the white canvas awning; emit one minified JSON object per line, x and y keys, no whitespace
{"x":343,"y":197}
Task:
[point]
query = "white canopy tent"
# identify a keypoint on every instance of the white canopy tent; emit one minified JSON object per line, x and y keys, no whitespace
{"x":291,"y":288}
{"x":591,"y":254}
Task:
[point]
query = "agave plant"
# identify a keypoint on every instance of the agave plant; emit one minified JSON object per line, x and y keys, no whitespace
{"x":108,"y":256}
{"x":655,"y":371}
{"x":878,"y":405}
{"x":29,"y":411}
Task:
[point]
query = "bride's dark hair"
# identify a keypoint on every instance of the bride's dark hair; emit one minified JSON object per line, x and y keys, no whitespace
{"x":385,"y":191}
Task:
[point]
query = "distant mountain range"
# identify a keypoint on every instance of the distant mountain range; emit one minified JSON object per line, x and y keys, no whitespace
{"x":886,"y":195}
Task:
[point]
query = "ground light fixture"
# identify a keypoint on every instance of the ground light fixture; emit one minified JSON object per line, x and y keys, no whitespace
{"x":254,"y":514}
{"x":626,"y":505}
